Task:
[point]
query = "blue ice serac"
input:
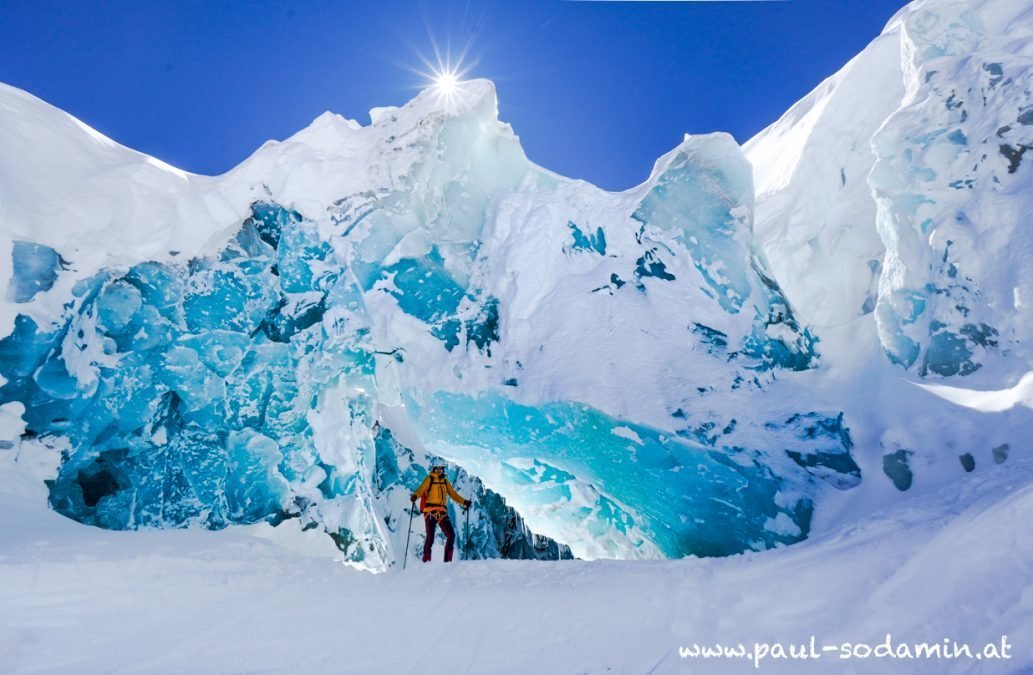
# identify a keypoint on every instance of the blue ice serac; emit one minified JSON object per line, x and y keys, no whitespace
{"x":184,"y":400}
{"x":196,"y":392}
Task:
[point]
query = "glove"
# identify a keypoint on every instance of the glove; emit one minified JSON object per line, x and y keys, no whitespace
{"x":467,"y":504}
{"x":412,"y":498}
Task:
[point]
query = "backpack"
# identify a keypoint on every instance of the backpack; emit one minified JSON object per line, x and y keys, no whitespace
{"x":423,"y":499}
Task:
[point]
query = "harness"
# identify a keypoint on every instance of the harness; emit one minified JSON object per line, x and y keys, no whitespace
{"x":438,"y":513}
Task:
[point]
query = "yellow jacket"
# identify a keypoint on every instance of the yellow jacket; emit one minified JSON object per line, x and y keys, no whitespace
{"x":437,"y":491}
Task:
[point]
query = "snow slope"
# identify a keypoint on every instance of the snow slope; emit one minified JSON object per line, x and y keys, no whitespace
{"x":85,"y":600}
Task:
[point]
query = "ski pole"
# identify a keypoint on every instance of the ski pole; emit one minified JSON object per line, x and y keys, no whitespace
{"x":412,"y":510}
{"x":466,"y":539}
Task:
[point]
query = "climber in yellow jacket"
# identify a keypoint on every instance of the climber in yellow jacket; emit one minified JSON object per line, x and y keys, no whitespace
{"x":434,"y":492}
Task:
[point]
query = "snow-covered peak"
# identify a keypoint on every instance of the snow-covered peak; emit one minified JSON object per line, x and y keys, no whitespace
{"x":473,"y":102}
{"x":97,"y":203}
{"x":468,"y":98}
{"x":47,"y":154}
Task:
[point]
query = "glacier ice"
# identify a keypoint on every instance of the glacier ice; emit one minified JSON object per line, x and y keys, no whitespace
{"x":193,"y":389}
{"x":892,"y":205}
{"x":588,"y":241}
{"x":496,"y":527}
{"x":703,"y":199}
{"x":906,"y":166}
{"x":690,"y":366}
{"x":190,"y":410}
{"x":624,"y":488}
{"x":197,"y":412}
{"x":35,"y":270}
{"x":252,"y":382}
{"x":417,"y":289}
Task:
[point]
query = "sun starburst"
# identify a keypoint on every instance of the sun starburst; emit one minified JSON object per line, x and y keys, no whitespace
{"x":444,"y":65}
{"x":447,"y":83}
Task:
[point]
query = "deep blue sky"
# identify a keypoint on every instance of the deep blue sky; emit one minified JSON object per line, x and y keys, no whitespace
{"x":595,"y":90}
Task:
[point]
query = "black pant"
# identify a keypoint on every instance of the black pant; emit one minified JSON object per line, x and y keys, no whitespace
{"x":431,"y":521}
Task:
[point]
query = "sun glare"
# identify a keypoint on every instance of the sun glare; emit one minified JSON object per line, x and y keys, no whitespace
{"x":445,"y":70}
{"x":446,"y":82}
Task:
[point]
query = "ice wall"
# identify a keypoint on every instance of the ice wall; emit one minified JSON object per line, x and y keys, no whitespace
{"x":952,"y":189}
{"x":186,"y":389}
{"x":892,"y":198}
{"x":611,"y":365}
{"x":192,"y":394}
